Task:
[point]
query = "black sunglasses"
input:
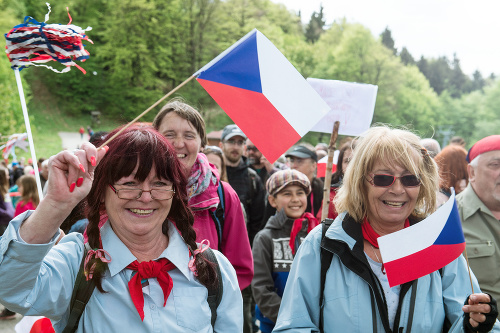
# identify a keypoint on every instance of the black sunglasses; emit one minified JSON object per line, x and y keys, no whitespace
{"x":382,"y":180}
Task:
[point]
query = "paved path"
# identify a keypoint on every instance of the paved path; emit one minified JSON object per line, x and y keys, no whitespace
{"x":7,"y":326}
{"x":72,"y":140}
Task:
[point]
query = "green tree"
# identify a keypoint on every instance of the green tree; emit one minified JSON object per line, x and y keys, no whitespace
{"x":10,"y":104}
{"x":489,"y":119}
{"x":315,"y":27}
{"x":348,"y":52}
{"x":144,"y":57}
{"x":199,"y":18}
{"x":406,"y":57}
{"x":388,"y":41}
{"x":438,"y":74}
{"x":478,"y":82}
{"x":458,"y":82}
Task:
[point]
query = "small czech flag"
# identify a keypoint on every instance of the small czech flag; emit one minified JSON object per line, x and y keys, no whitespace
{"x":424,"y":247}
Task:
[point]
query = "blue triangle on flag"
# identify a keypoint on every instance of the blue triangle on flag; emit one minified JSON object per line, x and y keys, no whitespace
{"x":452,"y":232}
{"x":239,"y":68}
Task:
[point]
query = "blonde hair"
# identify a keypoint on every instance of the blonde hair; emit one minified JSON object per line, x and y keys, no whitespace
{"x":30,"y":191}
{"x":392,"y":146}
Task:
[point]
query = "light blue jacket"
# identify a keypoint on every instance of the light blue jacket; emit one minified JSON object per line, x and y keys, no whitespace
{"x":38,"y":280}
{"x":348,"y":303}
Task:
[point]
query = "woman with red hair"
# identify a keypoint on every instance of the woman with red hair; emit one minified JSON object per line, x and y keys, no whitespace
{"x":144,"y":260}
{"x":452,"y":171}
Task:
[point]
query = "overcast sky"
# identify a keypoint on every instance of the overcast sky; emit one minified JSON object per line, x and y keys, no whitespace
{"x":431,"y":28}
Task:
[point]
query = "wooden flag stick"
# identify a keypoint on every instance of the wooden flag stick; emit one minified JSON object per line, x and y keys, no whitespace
{"x":468,"y":268}
{"x":328,"y":175}
{"x":147,"y":110}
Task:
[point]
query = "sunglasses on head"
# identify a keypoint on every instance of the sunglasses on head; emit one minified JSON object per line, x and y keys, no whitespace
{"x":381,"y":180}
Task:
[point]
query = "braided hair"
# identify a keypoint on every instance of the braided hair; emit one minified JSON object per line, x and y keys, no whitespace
{"x":143,"y":147}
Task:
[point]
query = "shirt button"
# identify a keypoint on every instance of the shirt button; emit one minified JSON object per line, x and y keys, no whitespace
{"x":153,"y":307}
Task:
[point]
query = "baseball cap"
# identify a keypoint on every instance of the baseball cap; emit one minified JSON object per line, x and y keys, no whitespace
{"x":232,"y":130}
{"x":302,"y":152}
{"x":484,"y":145}
{"x":280,"y":179}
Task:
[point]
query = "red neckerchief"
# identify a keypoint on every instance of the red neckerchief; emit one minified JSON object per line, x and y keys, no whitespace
{"x":371,"y":235}
{"x":147,"y":269}
{"x":297,"y":226}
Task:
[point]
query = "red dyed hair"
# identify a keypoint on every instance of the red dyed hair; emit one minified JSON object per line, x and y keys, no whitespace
{"x":142,"y":145}
{"x":452,"y":166}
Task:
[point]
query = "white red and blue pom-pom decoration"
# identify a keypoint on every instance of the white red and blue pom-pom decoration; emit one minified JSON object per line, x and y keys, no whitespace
{"x":35,"y":43}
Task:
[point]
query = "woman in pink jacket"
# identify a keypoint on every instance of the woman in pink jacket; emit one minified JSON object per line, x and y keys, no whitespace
{"x":29,"y":194}
{"x":184,"y":128}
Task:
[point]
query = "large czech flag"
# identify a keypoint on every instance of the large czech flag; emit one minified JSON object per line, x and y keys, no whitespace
{"x":263,"y":94}
{"x":424,"y":247}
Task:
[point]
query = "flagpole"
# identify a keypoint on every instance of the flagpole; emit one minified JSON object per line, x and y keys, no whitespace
{"x":468,"y":268}
{"x":328,"y":175}
{"x":28,"y":130}
{"x":147,"y":110}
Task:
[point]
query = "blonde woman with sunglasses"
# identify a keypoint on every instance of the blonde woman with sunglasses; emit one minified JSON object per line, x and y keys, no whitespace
{"x":390,"y":184}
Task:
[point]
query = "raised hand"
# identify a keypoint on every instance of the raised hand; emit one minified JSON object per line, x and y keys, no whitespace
{"x":71,"y":174}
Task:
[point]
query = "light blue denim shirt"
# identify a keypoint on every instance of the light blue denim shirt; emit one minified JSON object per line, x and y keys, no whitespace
{"x":38,"y":280}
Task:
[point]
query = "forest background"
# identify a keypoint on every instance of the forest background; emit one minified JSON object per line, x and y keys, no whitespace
{"x":144,"y":48}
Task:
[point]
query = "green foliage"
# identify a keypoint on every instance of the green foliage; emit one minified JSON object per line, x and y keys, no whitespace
{"x":315,"y":27}
{"x":388,"y":41}
{"x":444,"y":74}
{"x":349,"y":52}
{"x":10,"y":104}
{"x":144,"y":48}
{"x":406,"y":57}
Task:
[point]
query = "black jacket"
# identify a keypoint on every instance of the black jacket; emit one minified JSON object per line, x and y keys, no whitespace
{"x":247,"y":184}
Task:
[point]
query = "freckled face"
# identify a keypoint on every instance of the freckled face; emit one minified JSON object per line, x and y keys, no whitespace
{"x":183,"y":136}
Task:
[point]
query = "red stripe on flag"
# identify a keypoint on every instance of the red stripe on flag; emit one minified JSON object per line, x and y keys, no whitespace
{"x":256,"y":117}
{"x":43,"y":325}
{"x":321,"y":170}
{"x":421,"y":263}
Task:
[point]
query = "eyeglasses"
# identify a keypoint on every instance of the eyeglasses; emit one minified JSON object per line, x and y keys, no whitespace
{"x":252,"y":148}
{"x":387,"y":180}
{"x":235,"y":142}
{"x":135,"y":193}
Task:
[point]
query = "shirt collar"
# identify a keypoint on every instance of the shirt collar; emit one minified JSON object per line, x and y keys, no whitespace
{"x":177,"y":251}
{"x":473,"y":203}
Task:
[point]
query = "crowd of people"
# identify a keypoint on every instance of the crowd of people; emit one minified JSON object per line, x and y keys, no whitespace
{"x":175,"y":233}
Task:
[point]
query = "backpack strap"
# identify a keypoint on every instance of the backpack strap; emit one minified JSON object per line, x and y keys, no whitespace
{"x":219,"y":215}
{"x":215,"y":292}
{"x":82,"y":291}
{"x":326,"y":260}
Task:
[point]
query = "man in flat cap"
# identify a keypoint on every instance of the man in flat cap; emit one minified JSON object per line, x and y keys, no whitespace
{"x":479,"y":208}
